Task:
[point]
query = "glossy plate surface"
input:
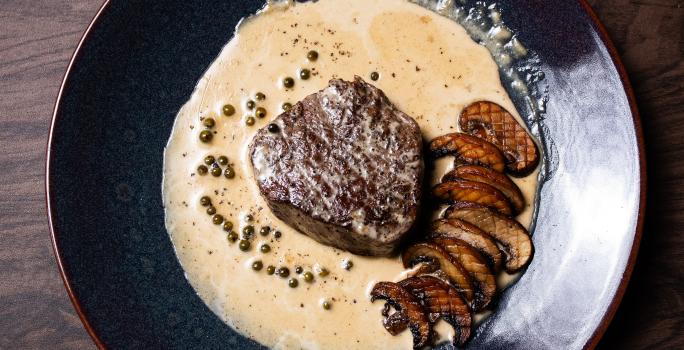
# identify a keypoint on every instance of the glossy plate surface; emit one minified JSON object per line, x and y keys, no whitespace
{"x":139,"y":62}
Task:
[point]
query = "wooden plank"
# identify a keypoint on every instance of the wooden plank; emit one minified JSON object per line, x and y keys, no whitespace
{"x":37,"y":39}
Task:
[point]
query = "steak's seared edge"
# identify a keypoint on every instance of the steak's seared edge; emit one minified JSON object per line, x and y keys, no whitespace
{"x":346,"y":168}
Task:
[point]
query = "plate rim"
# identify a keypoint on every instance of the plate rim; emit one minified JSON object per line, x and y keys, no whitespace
{"x":608,"y":316}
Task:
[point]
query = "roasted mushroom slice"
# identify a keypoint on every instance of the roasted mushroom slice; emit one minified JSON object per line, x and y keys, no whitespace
{"x":396,"y":322}
{"x":493,"y":123}
{"x":405,"y":303}
{"x":474,"y":192}
{"x":450,"y":266}
{"x":497,"y":180}
{"x":468,"y":149}
{"x":475,"y":264}
{"x":441,"y":301}
{"x":471,"y":234}
{"x":513,"y":237}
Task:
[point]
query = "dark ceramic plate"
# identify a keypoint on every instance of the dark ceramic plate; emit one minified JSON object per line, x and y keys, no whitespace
{"x":138,"y":63}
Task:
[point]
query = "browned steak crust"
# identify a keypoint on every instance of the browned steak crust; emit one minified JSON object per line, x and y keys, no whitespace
{"x":345,"y":167}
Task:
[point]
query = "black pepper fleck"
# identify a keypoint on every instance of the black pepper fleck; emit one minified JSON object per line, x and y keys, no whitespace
{"x":273,"y":128}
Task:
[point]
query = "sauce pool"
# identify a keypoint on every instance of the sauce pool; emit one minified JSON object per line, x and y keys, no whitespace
{"x":429,"y":68}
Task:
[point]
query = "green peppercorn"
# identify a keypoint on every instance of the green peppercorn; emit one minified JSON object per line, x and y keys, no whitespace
{"x":209,"y":122}
{"x":293,"y":283}
{"x":216,"y":171}
{"x":211,"y":210}
{"x":304,"y":74}
{"x":260,"y":112}
{"x":223,"y":160}
{"x":277,"y":234}
{"x":298,"y":269}
{"x":228,"y":226}
{"x":287,"y":106}
{"x":209,"y":160}
{"x":259,"y":96}
{"x":308,"y":276}
{"x":312,"y":55}
{"x":229,"y":173}
{"x":326,"y":305}
{"x":206,"y":136}
{"x":205,"y":201}
{"x":228,"y":110}
{"x":202,"y":170}
{"x":217,"y":219}
{"x":265,"y":248}
{"x":283,"y":272}
{"x":375,"y":76}
{"x":250,"y":105}
{"x":250,"y":121}
{"x":348,"y":264}
{"x":248,"y":231}
{"x":257,"y":265}
{"x":265,"y":230}
{"x":244,"y":245}
{"x":270,"y":269}
{"x":233,"y":237}
{"x":288,"y":82}
{"x":323,"y":272}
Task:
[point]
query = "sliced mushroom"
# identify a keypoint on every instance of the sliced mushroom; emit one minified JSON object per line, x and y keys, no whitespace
{"x":474,"y":192}
{"x":471,"y":234}
{"x":475,"y":264}
{"x":441,"y":301}
{"x":497,"y":180}
{"x":495,"y":124}
{"x":469,"y":149}
{"x":404,"y":302}
{"x":396,"y":322}
{"x":450,"y":266}
{"x":514,"y":238}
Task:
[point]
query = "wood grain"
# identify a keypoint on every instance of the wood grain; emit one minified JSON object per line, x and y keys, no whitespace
{"x":38,"y":37}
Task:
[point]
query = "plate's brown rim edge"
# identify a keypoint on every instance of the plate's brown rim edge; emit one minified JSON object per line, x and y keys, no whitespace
{"x":643,"y":185}
{"x":48,"y":199}
{"x":622,"y":72}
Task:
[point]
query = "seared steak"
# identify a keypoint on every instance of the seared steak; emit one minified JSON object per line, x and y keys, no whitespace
{"x":343,"y":166}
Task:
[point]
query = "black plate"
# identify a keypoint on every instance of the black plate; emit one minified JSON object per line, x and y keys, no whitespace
{"x":139,"y":62}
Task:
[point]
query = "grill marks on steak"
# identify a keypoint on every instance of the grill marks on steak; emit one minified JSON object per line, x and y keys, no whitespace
{"x":346,"y":168}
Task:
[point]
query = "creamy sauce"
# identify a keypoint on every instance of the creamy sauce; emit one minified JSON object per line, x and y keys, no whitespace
{"x":429,"y":67}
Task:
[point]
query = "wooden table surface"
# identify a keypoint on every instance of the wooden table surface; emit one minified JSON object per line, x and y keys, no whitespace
{"x":37,"y":39}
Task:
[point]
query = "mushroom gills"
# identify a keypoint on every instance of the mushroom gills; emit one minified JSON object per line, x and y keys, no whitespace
{"x":407,"y":306}
{"x":441,"y":300}
{"x":474,"y":192}
{"x":513,"y":237}
{"x":497,"y":180}
{"x":471,"y":234}
{"x":483,"y":278}
{"x":439,"y":257}
{"x":469,"y":149}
